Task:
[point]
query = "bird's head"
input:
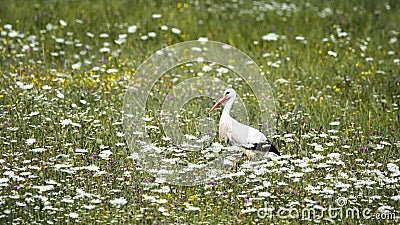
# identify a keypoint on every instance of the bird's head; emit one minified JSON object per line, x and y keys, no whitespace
{"x":228,"y":94}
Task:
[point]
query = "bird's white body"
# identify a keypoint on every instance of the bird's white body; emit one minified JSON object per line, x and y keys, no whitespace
{"x":237,"y":133}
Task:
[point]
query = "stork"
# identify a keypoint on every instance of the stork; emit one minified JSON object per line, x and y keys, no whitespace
{"x":238,"y":134}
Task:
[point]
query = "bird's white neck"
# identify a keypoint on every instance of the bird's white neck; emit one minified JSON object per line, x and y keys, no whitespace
{"x":228,"y":106}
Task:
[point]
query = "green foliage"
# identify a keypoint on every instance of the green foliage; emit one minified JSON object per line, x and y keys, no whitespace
{"x":334,"y":69}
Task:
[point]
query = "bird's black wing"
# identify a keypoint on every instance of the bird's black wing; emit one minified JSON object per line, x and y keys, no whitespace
{"x":265,"y":146}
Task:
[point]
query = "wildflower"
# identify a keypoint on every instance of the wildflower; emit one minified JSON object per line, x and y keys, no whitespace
{"x":118,"y":201}
{"x":191,"y":208}
{"x":63,"y":23}
{"x":332,"y":53}
{"x":112,"y":71}
{"x":132,"y":29}
{"x":105,"y":154}
{"x":30,"y":141}
{"x":60,"y":95}
{"x":392,"y":167}
{"x":270,"y":37}
{"x":27,"y":87}
{"x":176,"y":30}
{"x":76,"y":65}
{"x":88,"y":206}
{"x":66,"y":122}
{"x":38,"y":150}
{"x":207,"y":68}
{"x":73,"y":215}
{"x":202,"y":39}
{"x":264,"y":194}
{"x":43,"y":188}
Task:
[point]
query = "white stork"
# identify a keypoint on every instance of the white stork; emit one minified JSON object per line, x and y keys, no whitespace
{"x":239,"y":134}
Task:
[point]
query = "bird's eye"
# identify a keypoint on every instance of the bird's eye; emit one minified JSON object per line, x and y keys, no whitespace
{"x":227,"y":93}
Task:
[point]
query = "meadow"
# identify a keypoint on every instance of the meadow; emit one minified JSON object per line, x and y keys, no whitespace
{"x":333,"y":67}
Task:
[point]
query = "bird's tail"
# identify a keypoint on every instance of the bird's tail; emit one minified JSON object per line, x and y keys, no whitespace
{"x":266,"y":146}
{"x":274,"y":150}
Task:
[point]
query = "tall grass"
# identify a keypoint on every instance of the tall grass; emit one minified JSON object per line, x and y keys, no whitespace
{"x":334,"y":70}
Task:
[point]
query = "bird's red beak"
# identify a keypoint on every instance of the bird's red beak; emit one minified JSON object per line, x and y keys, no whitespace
{"x":219,"y":102}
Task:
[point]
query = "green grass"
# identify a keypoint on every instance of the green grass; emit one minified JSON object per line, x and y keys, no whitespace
{"x":361,"y":93}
